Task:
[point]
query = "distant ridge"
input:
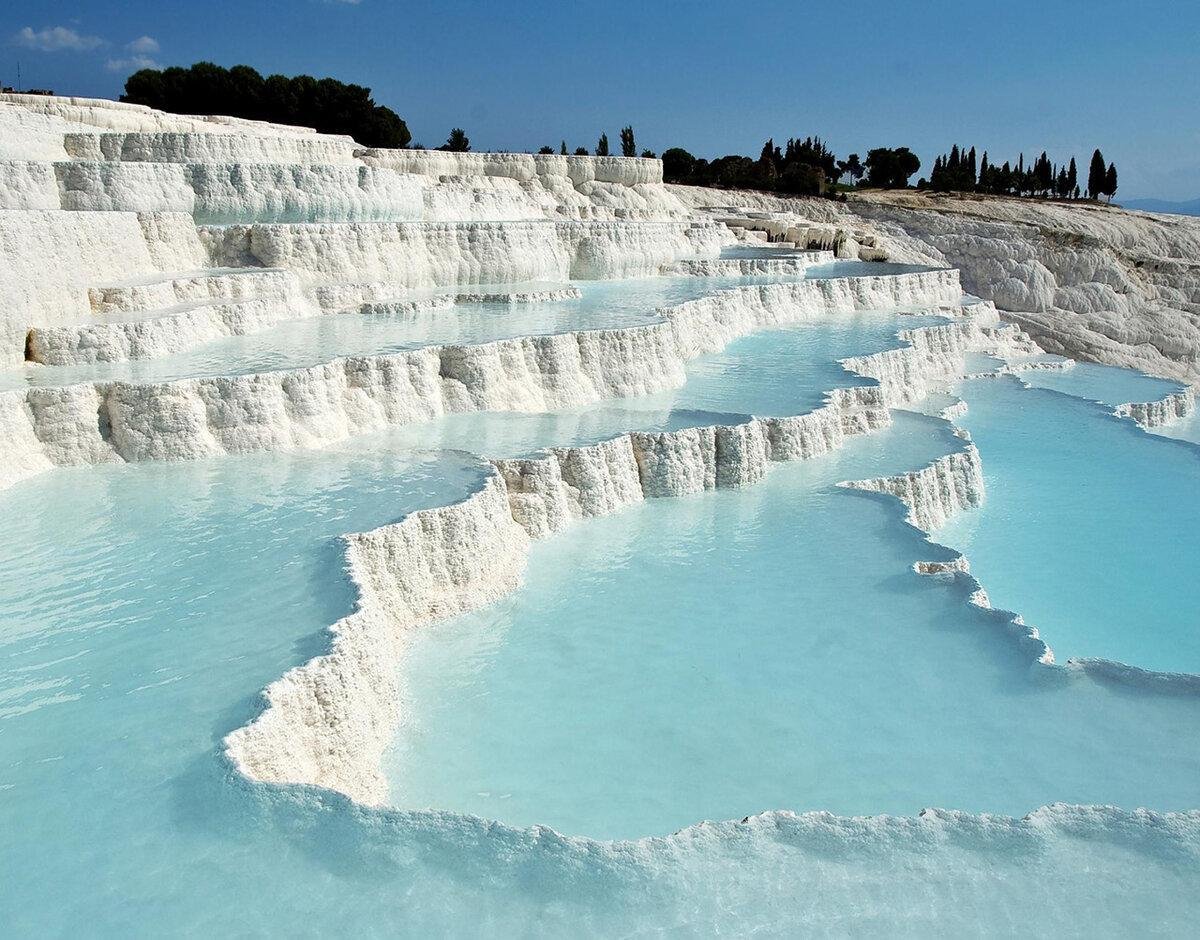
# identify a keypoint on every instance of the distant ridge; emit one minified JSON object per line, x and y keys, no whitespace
{"x":1190,"y":207}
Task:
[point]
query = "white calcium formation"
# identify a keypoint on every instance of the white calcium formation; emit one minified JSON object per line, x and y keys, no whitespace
{"x":130,"y":234}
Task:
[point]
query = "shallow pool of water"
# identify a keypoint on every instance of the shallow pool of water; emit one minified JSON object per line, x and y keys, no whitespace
{"x":1089,"y":528}
{"x":1105,"y":384}
{"x":763,"y":649}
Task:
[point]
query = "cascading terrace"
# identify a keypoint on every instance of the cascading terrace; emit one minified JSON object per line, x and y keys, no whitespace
{"x":456,"y":358}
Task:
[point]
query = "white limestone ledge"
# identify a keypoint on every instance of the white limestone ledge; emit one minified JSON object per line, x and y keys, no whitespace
{"x":209,"y":147}
{"x":410,"y":254}
{"x":171,"y":331}
{"x":740,"y":267}
{"x":934,"y":494}
{"x":51,"y":259}
{"x":549,"y":295}
{"x":1166,"y":411}
{"x":132,"y":334}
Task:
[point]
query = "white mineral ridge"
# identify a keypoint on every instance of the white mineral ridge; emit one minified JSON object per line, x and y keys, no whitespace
{"x":937,"y":493}
{"x":410,"y":254}
{"x":314,"y":406}
{"x":52,"y":258}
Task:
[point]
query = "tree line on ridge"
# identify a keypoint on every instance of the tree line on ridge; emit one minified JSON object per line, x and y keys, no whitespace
{"x":802,"y":166}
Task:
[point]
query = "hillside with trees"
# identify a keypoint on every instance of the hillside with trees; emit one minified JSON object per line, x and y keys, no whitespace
{"x":330,"y":106}
{"x":805,"y":167}
{"x":957,"y":172}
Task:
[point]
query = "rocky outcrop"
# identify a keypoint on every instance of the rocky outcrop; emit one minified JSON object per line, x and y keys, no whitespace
{"x":1088,"y":281}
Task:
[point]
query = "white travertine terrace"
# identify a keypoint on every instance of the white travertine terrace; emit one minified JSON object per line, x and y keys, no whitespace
{"x":328,"y":722}
{"x":314,"y":406}
{"x":1165,"y":411}
{"x":937,"y":493}
{"x":128,"y":233}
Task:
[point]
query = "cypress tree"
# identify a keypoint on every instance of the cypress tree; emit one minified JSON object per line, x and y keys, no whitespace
{"x":983,"y":173}
{"x":1110,"y":181}
{"x":1096,"y":175}
{"x":563,"y":148}
{"x":602,"y":146}
{"x":1072,"y":177}
{"x":1043,"y":174}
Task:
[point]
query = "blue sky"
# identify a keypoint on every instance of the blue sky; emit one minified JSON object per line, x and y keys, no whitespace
{"x":713,"y":77}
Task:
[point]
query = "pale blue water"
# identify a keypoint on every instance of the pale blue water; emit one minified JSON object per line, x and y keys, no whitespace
{"x":761,"y":649}
{"x":1105,"y":384}
{"x":863,"y":269}
{"x":1090,"y":524}
{"x":144,"y":607}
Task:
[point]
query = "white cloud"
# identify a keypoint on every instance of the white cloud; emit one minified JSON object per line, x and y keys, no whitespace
{"x":143,"y":45}
{"x":132,"y":64}
{"x":56,"y":39}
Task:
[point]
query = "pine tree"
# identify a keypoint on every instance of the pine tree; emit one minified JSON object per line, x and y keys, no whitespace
{"x":457,"y":142}
{"x":1096,"y":175}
